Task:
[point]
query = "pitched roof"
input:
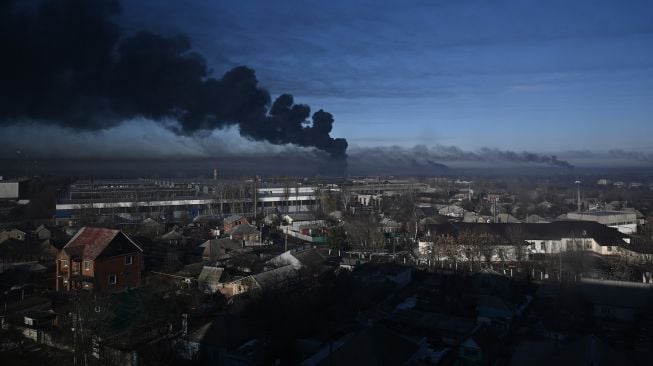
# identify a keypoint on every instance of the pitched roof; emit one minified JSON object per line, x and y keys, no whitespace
{"x":91,"y":242}
{"x":172,"y":235}
{"x":275,"y":277}
{"x":218,"y":247}
{"x":149,"y":222}
{"x":243,"y":229}
{"x":233,"y":218}
{"x":619,"y":294}
{"x":556,"y":230}
{"x":310,"y":257}
{"x":300,"y":216}
{"x":535,"y":219}
{"x":210,"y":274}
{"x":372,"y":346}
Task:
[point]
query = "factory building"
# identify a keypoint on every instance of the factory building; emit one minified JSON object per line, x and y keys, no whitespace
{"x":170,"y":199}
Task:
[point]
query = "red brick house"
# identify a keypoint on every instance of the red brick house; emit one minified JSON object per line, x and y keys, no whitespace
{"x":99,"y":260}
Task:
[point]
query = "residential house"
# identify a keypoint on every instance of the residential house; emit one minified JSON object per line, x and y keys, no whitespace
{"x":99,"y":259}
{"x":209,"y":279}
{"x":492,"y":309}
{"x":351,"y":264}
{"x":305,"y":227}
{"x":300,"y":257}
{"x":478,"y":349}
{"x":452,"y":211}
{"x":616,"y":300}
{"x":213,"y":342}
{"x":447,"y":329}
{"x":172,"y":237}
{"x":246,"y":233}
{"x":150,"y":227}
{"x":389,"y":226}
{"x":542,"y":239}
{"x":536,"y":219}
{"x":624,"y":221}
{"x":42,"y":232}
{"x":505,"y":218}
{"x":233,"y":221}
{"x":35,"y":323}
{"x":214,"y":249}
{"x":274,"y":279}
{"x":15,"y":234}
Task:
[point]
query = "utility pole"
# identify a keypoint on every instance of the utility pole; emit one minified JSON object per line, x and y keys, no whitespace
{"x":255,"y":198}
{"x":578,"y":182}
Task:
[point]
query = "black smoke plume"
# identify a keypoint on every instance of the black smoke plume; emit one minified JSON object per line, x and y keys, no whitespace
{"x":426,"y":157}
{"x":67,"y":63}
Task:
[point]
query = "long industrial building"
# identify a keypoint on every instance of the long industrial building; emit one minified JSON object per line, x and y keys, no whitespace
{"x":172,"y":199}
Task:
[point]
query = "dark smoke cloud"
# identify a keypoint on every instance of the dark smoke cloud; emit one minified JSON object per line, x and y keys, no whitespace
{"x":522,"y":157}
{"x":67,"y":63}
{"x":631,"y":155}
{"x":433,"y":159}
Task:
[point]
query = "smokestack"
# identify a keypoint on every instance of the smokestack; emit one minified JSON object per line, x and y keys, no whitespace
{"x":215,"y":174}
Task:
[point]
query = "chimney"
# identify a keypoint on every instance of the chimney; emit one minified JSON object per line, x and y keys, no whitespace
{"x":215,"y":174}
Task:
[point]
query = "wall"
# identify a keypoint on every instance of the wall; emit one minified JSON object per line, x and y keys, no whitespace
{"x":8,"y":190}
{"x":127,"y":275}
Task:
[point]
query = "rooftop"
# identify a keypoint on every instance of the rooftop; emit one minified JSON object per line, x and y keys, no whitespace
{"x":90,"y":242}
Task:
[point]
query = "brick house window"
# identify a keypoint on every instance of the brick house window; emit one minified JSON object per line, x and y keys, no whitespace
{"x":129,"y":259}
{"x":87,"y":265}
{"x":64,"y":262}
{"x":113,"y":279}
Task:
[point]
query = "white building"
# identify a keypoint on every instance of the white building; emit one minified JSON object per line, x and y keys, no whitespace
{"x":626,"y":222}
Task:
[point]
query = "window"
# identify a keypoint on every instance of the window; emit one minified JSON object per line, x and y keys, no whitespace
{"x":609,"y":248}
{"x":129,"y":259}
{"x":113,"y":279}
{"x":64,"y":262}
{"x":87,"y":265}
{"x":543,"y":245}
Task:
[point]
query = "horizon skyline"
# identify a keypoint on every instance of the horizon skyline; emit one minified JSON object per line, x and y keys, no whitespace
{"x":565,"y":80}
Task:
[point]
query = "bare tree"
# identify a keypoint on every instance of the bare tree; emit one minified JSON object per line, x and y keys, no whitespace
{"x":517,"y":239}
{"x":436,"y":248}
{"x":450,"y":248}
{"x":345,"y":197}
{"x":470,"y":245}
{"x":365,"y":233}
{"x":488,"y":247}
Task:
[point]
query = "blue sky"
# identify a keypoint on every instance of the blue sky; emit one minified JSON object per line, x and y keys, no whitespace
{"x":544,"y":76}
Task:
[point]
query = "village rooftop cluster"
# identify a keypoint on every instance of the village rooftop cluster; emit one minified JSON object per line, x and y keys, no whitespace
{"x":327,"y":271}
